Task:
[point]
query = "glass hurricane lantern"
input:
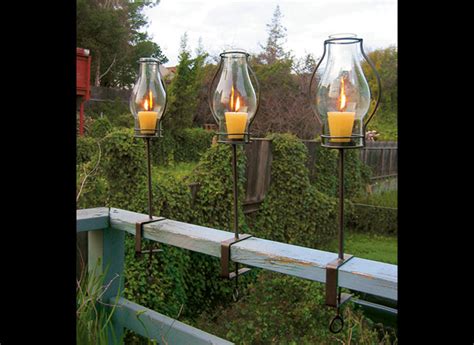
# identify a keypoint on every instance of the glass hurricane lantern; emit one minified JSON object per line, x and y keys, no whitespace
{"x":341,"y":102}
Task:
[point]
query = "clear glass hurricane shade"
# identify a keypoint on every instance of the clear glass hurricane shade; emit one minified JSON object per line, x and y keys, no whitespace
{"x":234,"y":101}
{"x":148,"y":99}
{"x":343,"y":95}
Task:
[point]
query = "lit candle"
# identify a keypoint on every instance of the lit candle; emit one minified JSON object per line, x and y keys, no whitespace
{"x":236,"y":121}
{"x":147,"y":119}
{"x":341,"y":122}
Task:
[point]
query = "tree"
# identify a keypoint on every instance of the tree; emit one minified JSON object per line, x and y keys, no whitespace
{"x":110,"y":29}
{"x":386,"y":64}
{"x":185,"y":89}
{"x":283,"y":104}
{"x":273,"y":50}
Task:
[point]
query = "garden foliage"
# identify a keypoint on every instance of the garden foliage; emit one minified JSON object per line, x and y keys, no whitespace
{"x":184,"y":284}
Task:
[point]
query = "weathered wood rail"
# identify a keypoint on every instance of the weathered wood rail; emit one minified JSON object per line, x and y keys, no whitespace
{"x":106,"y":236}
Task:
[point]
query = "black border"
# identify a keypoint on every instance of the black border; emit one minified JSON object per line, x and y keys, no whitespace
{"x":37,"y":245}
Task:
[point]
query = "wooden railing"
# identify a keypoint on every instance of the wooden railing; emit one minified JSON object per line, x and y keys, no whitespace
{"x":107,"y":229}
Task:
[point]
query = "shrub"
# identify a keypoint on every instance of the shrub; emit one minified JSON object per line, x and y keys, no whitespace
{"x":374,"y":219}
{"x":293,"y":211}
{"x":356,"y":173}
{"x":376,"y":213}
{"x":86,"y":147}
{"x":165,"y":284}
{"x":186,"y":145}
{"x":278,"y":309}
{"x":100,"y":127}
{"x":91,"y":185}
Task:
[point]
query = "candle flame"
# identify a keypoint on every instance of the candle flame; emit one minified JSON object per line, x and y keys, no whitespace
{"x":148,"y":103}
{"x":343,"y":96}
{"x":234,"y":101}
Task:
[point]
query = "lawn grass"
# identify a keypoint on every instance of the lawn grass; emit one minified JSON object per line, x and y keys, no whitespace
{"x":369,"y":246}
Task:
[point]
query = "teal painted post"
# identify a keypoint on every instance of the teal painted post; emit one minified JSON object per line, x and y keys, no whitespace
{"x":113,"y":264}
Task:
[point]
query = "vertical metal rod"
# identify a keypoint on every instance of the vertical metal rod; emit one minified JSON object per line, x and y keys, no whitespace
{"x":341,"y":217}
{"x":236,"y":213}
{"x":341,"y":204}
{"x":150,"y":198}
{"x":234,"y":172}
{"x":148,"y":157}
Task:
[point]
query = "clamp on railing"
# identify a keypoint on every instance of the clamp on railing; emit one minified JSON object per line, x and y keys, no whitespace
{"x":225,"y":257}
{"x":334,"y":297}
{"x":139,"y":235}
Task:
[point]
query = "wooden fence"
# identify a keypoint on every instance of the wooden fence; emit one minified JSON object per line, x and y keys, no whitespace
{"x":381,"y":156}
{"x":106,"y":235}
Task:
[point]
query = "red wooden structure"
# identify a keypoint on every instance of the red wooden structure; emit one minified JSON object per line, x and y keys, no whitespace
{"x":83,"y":77}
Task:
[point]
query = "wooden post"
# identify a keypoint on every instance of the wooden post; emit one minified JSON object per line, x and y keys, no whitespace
{"x":95,"y":240}
{"x":81,"y":254}
{"x":113,"y":263}
{"x":108,"y":246}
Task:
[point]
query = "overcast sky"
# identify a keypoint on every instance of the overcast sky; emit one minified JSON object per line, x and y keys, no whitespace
{"x":223,"y":24}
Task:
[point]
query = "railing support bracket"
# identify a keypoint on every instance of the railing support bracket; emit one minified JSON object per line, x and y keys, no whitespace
{"x":225,"y":257}
{"x":139,"y":235}
{"x":333,"y":298}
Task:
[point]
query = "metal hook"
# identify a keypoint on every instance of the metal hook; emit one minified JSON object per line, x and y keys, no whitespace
{"x":235,"y":294}
{"x":333,"y":325}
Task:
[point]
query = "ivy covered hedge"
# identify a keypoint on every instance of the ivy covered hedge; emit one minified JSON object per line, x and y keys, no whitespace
{"x":300,"y":211}
{"x":185,"y":283}
{"x":374,"y":219}
{"x":176,"y":277}
{"x":280,"y":309}
{"x":294,"y":211}
{"x":185,"y":145}
{"x":356,"y":173}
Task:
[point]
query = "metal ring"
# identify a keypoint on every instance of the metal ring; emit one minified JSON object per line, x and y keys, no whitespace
{"x":332,"y":324}
{"x":235,"y":294}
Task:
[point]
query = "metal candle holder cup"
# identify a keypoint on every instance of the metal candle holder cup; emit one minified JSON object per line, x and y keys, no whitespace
{"x":148,"y":106}
{"x":341,"y":102}
{"x":234,"y":102}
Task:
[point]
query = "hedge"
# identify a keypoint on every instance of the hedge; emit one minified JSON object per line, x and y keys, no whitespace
{"x":293,"y":210}
{"x":184,"y":283}
{"x":374,"y":219}
{"x":356,"y":173}
{"x":187,"y":145}
{"x":280,"y":309}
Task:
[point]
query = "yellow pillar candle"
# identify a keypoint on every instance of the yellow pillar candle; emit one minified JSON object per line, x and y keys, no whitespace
{"x":236,"y":122}
{"x":147,"y":121}
{"x":340,"y":124}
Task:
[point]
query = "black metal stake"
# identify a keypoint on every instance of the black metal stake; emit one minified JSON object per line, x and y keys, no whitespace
{"x":235,"y":178}
{"x":341,"y":204}
{"x":236,"y":215}
{"x":139,"y":225}
{"x":150,"y":195}
{"x":148,"y":157}
{"x":341,"y":216}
